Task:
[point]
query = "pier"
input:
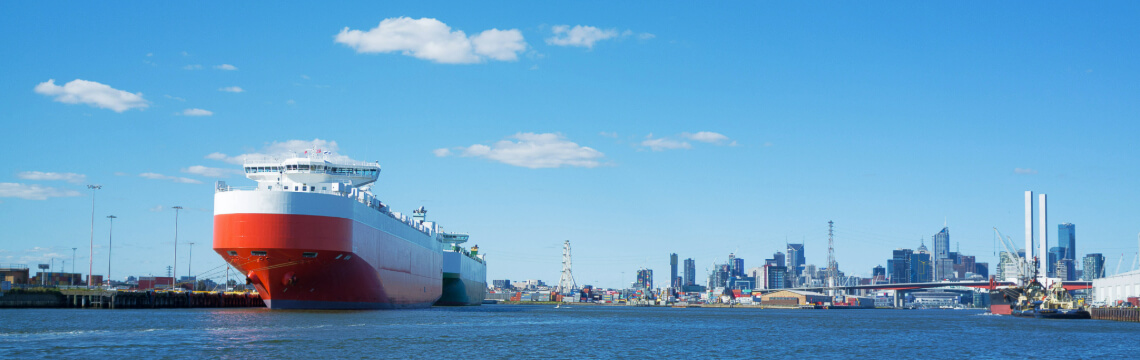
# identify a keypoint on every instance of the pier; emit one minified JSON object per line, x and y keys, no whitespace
{"x":110,"y":299}
{"x":1116,"y":314}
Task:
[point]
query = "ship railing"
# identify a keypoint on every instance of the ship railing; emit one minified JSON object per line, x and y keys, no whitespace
{"x":362,"y":197}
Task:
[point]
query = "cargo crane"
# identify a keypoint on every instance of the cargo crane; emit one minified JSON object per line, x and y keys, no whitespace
{"x":1011,"y":251}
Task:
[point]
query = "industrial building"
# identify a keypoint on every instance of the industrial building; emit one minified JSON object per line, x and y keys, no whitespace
{"x":14,"y":273}
{"x":793,"y":298}
{"x":1112,"y":289}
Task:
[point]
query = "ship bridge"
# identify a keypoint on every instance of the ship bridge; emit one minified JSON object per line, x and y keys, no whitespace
{"x":311,"y":170}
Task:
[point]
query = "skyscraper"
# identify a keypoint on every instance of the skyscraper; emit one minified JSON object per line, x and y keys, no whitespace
{"x":942,"y":251}
{"x":644,"y":279}
{"x":900,"y":266}
{"x":779,"y":257}
{"x":1067,"y":240}
{"x":1094,"y":267}
{"x":795,"y":261}
{"x":920,"y":267}
{"x":736,"y":264}
{"x":879,"y":273}
{"x":673,"y":280}
{"x":690,"y":272}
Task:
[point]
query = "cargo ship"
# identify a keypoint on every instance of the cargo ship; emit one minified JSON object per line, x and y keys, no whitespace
{"x":464,"y":273}
{"x":311,"y":235}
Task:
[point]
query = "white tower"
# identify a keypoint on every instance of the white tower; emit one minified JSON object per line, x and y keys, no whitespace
{"x":1028,"y":233}
{"x":566,"y":284}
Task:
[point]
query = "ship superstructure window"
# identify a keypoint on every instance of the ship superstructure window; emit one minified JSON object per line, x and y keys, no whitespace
{"x":309,"y":254}
{"x":259,"y":253}
{"x":232,"y":253}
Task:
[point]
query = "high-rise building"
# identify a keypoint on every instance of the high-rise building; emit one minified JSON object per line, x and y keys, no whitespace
{"x":1093,"y":267}
{"x":1051,"y":265}
{"x":920,"y":267}
{"x":779,"y":257}
{"x":673,"y":282}
{"x":1008,"y":266}
{"x":1066,"y":270}
{"x":773,"y":277}
{"x":941,"y":251}
{"x":690,"y":278}
{"x":878,"y":273}
{"x":644,"y":279}
{"x":736,"y":264}
{"x":796,"y":259}
{"x":965,"y":265}
{"x":982,"y":269}
{"x":1067,"y":240}
{"x":900,"y":266}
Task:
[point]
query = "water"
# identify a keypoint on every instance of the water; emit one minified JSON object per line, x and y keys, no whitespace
{"x":506,"y":331}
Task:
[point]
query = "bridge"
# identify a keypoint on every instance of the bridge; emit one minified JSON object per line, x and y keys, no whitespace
{"x":1068,"y":285}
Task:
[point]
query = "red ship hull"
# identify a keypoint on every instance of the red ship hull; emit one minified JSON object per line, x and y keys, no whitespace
{"x":302,"y":261}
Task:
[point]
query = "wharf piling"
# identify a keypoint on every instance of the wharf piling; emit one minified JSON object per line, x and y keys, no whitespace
{"x":109,"y":299}
{"x":157,"y":299}
{"x":1116,"y":314}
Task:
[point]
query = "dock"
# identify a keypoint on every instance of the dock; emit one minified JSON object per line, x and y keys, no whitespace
{"x":1130,"y":314}
{"x":111,"y":299}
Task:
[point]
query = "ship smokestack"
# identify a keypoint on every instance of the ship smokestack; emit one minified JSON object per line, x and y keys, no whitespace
{"x":1028,"y":233}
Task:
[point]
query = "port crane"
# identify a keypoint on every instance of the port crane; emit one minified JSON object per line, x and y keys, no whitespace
{"x":1011,"y":252}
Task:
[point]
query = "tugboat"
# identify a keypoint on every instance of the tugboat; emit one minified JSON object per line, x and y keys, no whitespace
{"x":1053,"y":303}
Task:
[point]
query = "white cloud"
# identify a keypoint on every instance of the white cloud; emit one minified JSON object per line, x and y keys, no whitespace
{"x":233,"y":89}
{"x":192,"y":67}
{"x":174,"y":98}
{"x":33,"y":192}
{"x":226,"y":67}
{"x":93,"y":94}
{"x":662,"y":144}
{"x":534,"y":151}
{"x":154,"y":176}
{"x":441,"y":152}
{"x":196,"y":112}
{"x":706,"y":137}
{"x":284,"y":149}
{"x":609,"y":134}
{"x":431,"y":39}
{"x":68,"y":177}
{"x":157,"y":208}
{"x":1025,"y":171}
{"x":580,"y":36}
{"x":502,"y":45}
{"x":185,"y":53}
{"x":645,"y":36}
{"x":290,"y":102}
{"x":211,"y":172}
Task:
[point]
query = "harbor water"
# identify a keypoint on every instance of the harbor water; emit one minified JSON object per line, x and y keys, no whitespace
{"x":534,"y":331}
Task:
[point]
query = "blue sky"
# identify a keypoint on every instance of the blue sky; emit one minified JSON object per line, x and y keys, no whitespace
{"x":632,"y":130}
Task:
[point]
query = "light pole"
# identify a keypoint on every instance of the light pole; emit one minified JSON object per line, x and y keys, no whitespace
{"x":194,"y":283}
{"x":91,"y":259}
{"x":110,"y":239}
{"x":72,"y":279}
{"x":174,"y":271}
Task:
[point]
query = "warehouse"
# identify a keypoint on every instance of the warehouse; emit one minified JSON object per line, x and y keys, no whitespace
{"x":793,"y":298}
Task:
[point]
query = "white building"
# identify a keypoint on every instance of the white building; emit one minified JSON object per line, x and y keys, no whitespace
{"x":1121,"y":286}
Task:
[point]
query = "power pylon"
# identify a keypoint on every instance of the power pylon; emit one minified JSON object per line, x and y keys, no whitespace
{"x":832,"y":270}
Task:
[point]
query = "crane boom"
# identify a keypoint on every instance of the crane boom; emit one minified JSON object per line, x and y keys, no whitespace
{"x":1011,"y":250}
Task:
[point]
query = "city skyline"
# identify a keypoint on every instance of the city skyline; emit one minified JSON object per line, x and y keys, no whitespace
{"x":633,"y":131}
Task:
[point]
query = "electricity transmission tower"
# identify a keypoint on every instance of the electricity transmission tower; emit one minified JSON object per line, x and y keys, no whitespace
{"x":566,"y":284}
{"x":832,"y":270}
